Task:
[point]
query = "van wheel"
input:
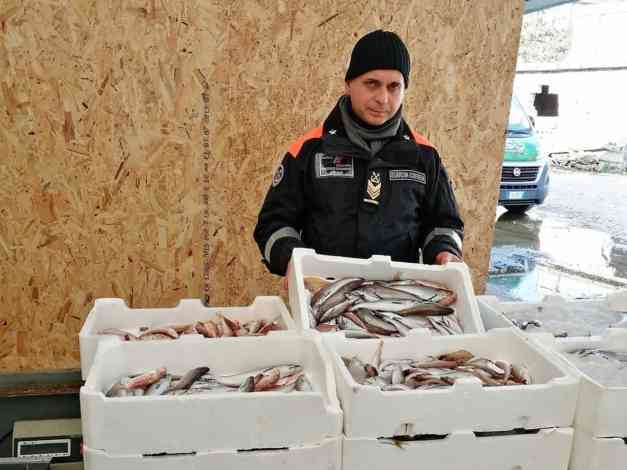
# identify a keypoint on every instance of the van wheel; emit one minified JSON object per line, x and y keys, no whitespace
{"x":518,"y":209}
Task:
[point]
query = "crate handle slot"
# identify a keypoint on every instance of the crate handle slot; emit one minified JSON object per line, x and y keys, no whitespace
{"x":265,"y":449}
{"x":511,"y":432}
{"x":167,"y":454}
{"x":415,"y":437}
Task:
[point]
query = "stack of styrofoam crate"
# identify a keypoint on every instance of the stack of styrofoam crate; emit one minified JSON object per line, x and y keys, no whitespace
{"x":267,"y":430}
{"x":463,"y":426}
{"x":458,"y":427}
{"x":601,"y":417}
{"x":600,"y":441}
{"x":305,"y":262}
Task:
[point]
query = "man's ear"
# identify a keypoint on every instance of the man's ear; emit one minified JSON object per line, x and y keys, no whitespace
{"x":346,"y":88}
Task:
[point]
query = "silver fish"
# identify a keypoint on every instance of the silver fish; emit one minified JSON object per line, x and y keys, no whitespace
{"x":343,"y":285}
{"x":248,"y":385}
{"x":335,"y":311}
{"x":359,"y":334}
{"x":385,"y":305}
{"x":374,"y":324}
{"x":159,"y":388}
{"x":303,"y":385}
{"x":188,"y":379}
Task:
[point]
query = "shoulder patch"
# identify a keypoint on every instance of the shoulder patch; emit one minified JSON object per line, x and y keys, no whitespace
{"x":294,"y":149}
{"x":278,"y":176}
{"x":420,"y":139}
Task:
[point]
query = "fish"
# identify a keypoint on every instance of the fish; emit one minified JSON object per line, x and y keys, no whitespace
{"x":419,"y":308}
{"x":520,"y":374}
{"x":382,"y":292}
{"x":334,"y":293}
{"x":188,"y":379}
{"x":326,"y":327}
{"x":160,"y":387}
{"x":223,"y":327}
{"x":335,"y":311}
{"x":117,"y":390}
{"x":169,"y":332}
{"x":254,"y":326}
{"x":351,"y":334}
{"x":234,"y":325}
{"x":266,"y":380}
{"x":460,"y":356}
{"x":395,"y":388}
{"x":342,"y":322}
{"x":487,"y":366}
{"x":185,"y":329}
{"x":356,"y":368}
{"x":507,"y":370}
{"x":248,"y":385}
{"x":303,"y":385}
{"x":426,"y":291}
{"x":146,"y":379}
{"x":385,"y":305}
{"x":374,"y":324}
{"x":118,"y":332}
{"x":288,"y":382}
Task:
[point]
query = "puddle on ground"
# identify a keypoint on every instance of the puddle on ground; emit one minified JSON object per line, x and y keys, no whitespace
{"x":532,"y":286}
{"x":532,"y":257}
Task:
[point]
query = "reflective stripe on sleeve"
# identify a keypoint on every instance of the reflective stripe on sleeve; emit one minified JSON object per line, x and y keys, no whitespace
{"x":448,"y":232}
{"x":285,"y":232}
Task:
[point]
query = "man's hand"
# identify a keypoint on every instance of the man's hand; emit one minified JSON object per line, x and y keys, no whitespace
{"x":286,"y":278}
{"x":444,"y":257}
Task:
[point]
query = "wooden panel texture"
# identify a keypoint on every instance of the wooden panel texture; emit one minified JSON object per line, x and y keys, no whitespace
{"x":112,"y":113}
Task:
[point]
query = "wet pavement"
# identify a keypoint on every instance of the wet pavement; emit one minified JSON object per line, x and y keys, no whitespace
{"x":575,"y":244}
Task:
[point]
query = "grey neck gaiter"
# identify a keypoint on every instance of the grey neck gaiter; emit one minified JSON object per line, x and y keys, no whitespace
{"x":371,"y":140}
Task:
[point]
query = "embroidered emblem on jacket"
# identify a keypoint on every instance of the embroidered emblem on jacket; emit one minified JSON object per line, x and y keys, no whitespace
{"x":408,"y":175}
{"x":278,"y":176}
{"x":374,"y":188}
{"x":331,"y":166}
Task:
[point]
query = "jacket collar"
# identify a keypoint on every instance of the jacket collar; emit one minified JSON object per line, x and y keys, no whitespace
{"x":333,"y":125}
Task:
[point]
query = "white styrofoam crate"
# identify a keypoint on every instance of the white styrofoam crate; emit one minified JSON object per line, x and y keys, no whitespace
{"x":213,"y":421}
{"x":466,"y":406}
{"x":491,"y":316}
{"x":601,"y":410}
{"x":323,"y":456}
{"x":456,"y":276}
{"x":598,"y":453}
{"x":549,"y":449}
{"x":114,"y":313}
{"x":494,"y":312}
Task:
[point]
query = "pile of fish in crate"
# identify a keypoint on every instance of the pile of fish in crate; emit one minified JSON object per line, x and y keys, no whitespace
{"x":379,"y":365}
{"x":596,"y":352}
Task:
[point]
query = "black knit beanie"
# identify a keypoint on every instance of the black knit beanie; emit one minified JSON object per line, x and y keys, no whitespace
{"x":379,"y":50}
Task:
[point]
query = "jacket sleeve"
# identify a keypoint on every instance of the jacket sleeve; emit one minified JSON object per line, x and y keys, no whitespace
{"x":281,"y":217}
{"x":443,"y":228}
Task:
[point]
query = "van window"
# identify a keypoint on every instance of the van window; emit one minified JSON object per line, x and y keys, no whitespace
{"x":518,"y":122}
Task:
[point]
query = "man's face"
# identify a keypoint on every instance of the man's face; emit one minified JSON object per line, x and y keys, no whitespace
{"x":376,"y":95}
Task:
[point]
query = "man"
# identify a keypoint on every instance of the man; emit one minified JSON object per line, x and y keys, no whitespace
{"x":363,"y":183}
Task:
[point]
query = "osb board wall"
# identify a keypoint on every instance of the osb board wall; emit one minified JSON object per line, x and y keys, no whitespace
{"x":105,"y":107}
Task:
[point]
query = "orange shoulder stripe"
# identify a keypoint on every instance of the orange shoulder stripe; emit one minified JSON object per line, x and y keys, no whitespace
{"x":294,"y":149}
{"x":420,"y":139}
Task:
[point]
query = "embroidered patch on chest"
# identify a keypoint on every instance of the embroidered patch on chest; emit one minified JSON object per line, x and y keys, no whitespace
{"x":331,"y":166}
{"x":408,"y":175}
